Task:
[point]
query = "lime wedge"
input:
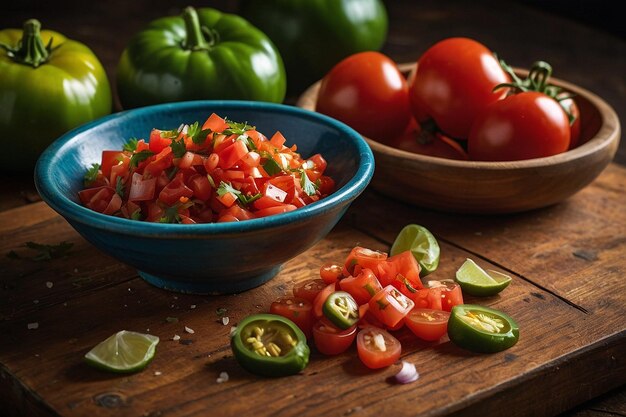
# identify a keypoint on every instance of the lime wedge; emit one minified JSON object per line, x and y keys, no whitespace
{"x":123,"y":352}
{"x":476,"y":281}
{"x":422,"y":245}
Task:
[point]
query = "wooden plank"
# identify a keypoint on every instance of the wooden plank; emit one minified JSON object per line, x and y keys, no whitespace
{"x":27,"y":285}
{"x":47,"y":362}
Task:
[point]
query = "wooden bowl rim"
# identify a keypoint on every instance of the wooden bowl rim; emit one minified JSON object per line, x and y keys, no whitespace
{"x":608,"y":133}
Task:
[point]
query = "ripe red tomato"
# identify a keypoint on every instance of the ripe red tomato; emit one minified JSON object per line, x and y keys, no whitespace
{"x":365,"y":258}
{"x":453,"y":83}
{"x":297,"y":310}
{"x":362,"y":287}
{"x":377,"y":348}
{"x":331,"y":340}
{"x":438,"y":145}
{"x":367,"y":92}
{"x":427,"y":324}
{"x":390,"y":306}
{"x":522,"y":126}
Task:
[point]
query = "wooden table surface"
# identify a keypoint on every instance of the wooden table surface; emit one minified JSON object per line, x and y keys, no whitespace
{"x":568,"y":294}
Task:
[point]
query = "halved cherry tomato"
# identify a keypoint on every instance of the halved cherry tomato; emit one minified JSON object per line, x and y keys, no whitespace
{"x":308,"y":289}
{"x":377,"y":348}
{"x":427,"y":324}
{"x":331,"y":340}
{"x":297,"y":310}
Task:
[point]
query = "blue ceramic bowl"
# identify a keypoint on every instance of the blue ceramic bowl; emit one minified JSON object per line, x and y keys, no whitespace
{"x":215,"y":257}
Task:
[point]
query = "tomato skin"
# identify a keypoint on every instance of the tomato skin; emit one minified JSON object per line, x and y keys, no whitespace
{"x":308,"y":289}
{"x":439,"y":146}
{"x":331,"y":340}
{"x":522,"y":126}
{"x":427,"y":324}
{"x":297,"y":310}
{"x":331,"y":272}
{"x":453,"y":83}
{"x":320,"y":299}
{"x":367,"y":92}
{"x":373,"y":357}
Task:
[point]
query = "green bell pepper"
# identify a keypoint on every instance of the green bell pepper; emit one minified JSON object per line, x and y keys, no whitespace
{"x":203,"y":54}
{"x":270,"y":345}
{"x":481,"y":329}
{"x":314,"y":35}
{"x":48,"y":85}
{"x":341,"y":309}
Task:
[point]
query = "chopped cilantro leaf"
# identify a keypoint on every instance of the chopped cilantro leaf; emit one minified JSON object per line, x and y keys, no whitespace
{"x":170,"y":172}
{"x":271,"y":167}
{"x":221,"y":312}
{"x":226,"y":187}
{"x":308,"y":186}
{"x":178,"y":148}
{"x":48,"y":252}
{"x":170,"y":215}
{"x":236,"y":128}
{"x":140,"y":157}
{"x":131,"y":145}
{"x":197,"y":135}
{"x":136,"y":215}
{"x":91,"y":175}
{"x":247,"y":199}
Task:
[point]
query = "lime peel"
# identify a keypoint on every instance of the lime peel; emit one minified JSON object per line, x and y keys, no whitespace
{"x":476,"y":281}
{"x":123,"y":352}
{"x":422,"y":244}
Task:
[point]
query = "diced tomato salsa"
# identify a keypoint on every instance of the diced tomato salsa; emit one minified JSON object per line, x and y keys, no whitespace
{"x":219,"y":171}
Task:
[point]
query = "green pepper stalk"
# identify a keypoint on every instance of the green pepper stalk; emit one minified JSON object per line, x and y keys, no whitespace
{"x":30,"y":50}
{"x":36,"y":68}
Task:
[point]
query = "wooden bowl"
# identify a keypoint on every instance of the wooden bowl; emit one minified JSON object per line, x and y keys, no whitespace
{"x":496,"y":187}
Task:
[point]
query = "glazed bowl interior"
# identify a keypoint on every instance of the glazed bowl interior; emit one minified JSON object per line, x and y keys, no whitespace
{"x":215,"y":257}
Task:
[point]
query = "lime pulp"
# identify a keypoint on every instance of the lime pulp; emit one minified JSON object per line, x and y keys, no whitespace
{"x":476,"y":281}
{"x":123,"y":352}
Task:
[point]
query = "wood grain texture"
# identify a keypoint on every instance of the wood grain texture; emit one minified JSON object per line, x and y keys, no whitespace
{"x":496,"y":187}
{"x":572,"y":343}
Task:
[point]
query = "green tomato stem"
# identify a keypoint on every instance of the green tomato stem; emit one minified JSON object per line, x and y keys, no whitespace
{"x":30,"y":50}
{"x":194,"y":39}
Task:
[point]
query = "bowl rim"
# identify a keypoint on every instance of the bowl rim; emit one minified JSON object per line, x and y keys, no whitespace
{"x":608,"y":132}
{"x":75,"y":212}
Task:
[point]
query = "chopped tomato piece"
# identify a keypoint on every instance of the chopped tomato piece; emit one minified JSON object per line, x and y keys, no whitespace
{"x":365,"y":258}
{"x":173,"y":192}
{"x":362,"y":287}
{"x":141,"y":189}
{"x":390,"y":306}
{"x":297,"y":310}
{"x":308,"y":289}
{"x":330,"y":340}
{"x":331,"y":272}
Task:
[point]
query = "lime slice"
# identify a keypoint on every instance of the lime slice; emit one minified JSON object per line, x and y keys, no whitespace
{"x":422,"y":245}
{"x":476,"y":281}
{"x":123,"y":352}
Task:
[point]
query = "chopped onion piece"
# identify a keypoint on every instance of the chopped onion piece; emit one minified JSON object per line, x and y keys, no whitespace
{"x":407,"y":374}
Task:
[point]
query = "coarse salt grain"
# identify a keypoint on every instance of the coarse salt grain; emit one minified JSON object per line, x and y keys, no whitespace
{"x":225,"y":320}
{"x":32,"y":326}
{"x":157,"y":373}
{"x":193,"y":306}
{"x":176,"y":337}
{"x":49,"y":284}
{"x":189,"y":330}
{"x":222,"y":378}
